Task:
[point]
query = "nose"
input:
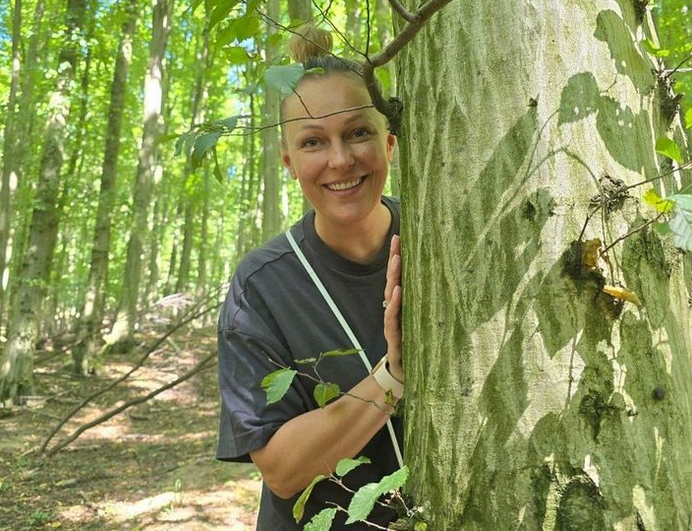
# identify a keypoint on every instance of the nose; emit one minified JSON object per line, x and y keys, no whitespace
{"x":340,"y":155}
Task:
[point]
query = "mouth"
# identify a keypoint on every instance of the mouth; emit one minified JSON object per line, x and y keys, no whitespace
{"x":341,"y":187}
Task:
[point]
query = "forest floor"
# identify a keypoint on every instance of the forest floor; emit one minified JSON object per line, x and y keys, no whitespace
{"x":150,"y":468}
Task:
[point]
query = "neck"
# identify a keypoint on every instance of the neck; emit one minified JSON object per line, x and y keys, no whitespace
{"x":360,"y":242}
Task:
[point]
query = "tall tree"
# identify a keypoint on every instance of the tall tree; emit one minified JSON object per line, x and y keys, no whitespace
{"x":8,"y":182}
{"x":271,"y":218}
{"x":190,"y":189}
{"x":16,"y":363}
{"x":123,"y":329}
{"x":91,"y":314}
{"x":535,"y":399}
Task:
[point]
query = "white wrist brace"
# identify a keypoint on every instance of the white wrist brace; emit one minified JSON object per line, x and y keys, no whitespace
{"x":385,"y":379}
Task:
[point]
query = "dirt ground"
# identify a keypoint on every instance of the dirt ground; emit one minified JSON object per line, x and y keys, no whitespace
{"x":151,"y":468}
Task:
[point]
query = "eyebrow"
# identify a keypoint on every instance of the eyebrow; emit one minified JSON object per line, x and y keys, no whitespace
{"x":348,"y":120}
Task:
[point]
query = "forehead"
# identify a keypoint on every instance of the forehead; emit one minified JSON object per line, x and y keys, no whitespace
{"x":324,"y":95}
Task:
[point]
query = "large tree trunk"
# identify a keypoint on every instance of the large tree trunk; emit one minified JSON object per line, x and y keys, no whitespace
{"x":123,"y":329}
{"x":16,"y":363}
{"x":91,"y":315}
{"x":8,"y":183}
{"x":535,"y":400}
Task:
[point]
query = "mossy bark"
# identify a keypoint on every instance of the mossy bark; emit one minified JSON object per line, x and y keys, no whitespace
{"x":536,"y":401}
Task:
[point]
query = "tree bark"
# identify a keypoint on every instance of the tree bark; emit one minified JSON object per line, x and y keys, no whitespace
{"x":8,"y":183}
{"x":535,"y":400}
{"x":16,"y":363}
{"x":271,"y":212}
{"x":91,"y":314}
{"x":124,"y":326}
{"x":192,"y":186}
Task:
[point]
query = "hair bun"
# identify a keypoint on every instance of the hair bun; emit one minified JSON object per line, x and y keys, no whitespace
{"x":309,"y":42}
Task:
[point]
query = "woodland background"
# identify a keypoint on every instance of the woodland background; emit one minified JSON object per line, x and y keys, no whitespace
{"x":119,"y":229}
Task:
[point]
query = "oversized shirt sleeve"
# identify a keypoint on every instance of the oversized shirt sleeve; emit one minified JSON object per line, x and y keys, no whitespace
{"x":250,"y":346}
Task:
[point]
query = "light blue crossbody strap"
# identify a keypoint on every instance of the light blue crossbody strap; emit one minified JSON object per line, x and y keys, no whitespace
{"x":342,"y":321}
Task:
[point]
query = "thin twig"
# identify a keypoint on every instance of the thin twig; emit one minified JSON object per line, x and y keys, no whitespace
{"x":367,"y":28}
{"x":677,"y":67}
{"x":107,"y":416}
{"x":400,"y":10}
{"x":336,"y":30}
{"x":634,"y":231}
{"x":685,"y":166}
{"x":253,"y":130}
{"x":138,"y":365}
{"x":388,"y":108}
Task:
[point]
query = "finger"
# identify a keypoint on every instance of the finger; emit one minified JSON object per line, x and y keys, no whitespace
{"x":394,"y":246}
{"x":393,"y":276}
{"x":392,"y":318}
{"x":392,"y":326}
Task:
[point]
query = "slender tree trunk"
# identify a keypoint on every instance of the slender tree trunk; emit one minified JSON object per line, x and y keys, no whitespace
{"x":535,"y":400}
{"x":91,"y":314}
{"x":25,"y":124}
{"x":8,"y":183}
{"x":383,"y":17}
{"x":190,"y":190}
{"x":271,"y":213}
{"x":124,"y":326}
{"x":173,"y":260}
{"x":186,"y":251}
{"x":50,"y":324}
{"x":201,"y":284}
{"x":16,"y":363}
{"x":354,"y":17}
{"x":246,"y":193}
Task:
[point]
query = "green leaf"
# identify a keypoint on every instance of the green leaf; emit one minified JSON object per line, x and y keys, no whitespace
{"x":669,"y":148}
{"x":324,"y":392}
{"x":663,"y":229}
{"x":220,"y":12}
{"x":364,"y":499}
{"x":334,"y":353}
{"x":345,"y":466}
{"x":681,"y":224}
{"x":654,"y":49}
{"x":246,"y":27}
{"x":229,"y":123}
{"x":305,"y":361}
{"x":276,"y":384}
{"x":217,"y":170}
{"x":237,"y":55}
{"x":299,"y":506}
{"x":184,"y":143}
{"x":203,"y":143}
{"x":284,"y":78}
{"x":688,"y":119}
{"x":362,"y":502}
{"x":651,"y":198}
{"x":322,"y":521}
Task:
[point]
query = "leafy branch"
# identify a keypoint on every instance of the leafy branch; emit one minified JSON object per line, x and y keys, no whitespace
{"x":363,"y":500}
{"x":277,"y":383}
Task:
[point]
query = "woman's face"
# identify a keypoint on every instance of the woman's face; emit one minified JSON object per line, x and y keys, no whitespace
{"x":340,"y":160}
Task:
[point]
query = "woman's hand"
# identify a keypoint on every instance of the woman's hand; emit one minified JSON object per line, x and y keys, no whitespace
{"x":392,"y":313}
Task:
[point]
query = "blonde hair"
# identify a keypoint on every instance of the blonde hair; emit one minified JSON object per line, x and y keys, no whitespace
{"x":309,"y":42}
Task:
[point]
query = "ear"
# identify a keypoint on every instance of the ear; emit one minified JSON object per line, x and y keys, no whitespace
{"x":391,"y":144}
{"x":286,"y":161}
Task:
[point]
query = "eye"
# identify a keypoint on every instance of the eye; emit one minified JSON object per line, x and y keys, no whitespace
{"x":309,"y":143}
{"x":361,"y":132}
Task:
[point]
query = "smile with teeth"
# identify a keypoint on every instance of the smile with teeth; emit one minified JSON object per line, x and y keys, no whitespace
{"x":339,"y":187}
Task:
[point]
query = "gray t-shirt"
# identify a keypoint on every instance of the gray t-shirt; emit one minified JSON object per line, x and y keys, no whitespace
{"x":274,"y":312}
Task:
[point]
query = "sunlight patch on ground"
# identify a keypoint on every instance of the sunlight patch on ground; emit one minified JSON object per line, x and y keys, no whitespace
{"x":228,"y":507}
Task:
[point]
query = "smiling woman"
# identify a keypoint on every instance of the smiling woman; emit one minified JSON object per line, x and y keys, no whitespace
{"x":344,"y":254}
